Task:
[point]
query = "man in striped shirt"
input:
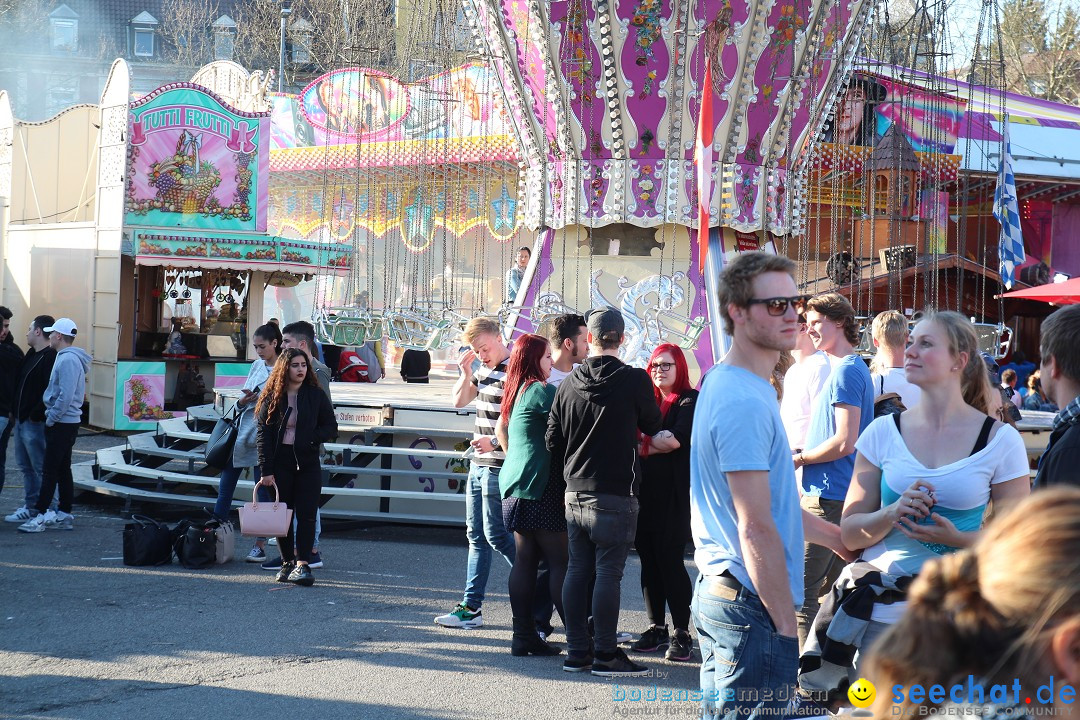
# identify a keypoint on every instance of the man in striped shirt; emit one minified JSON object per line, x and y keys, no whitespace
{"x":483,"y":502}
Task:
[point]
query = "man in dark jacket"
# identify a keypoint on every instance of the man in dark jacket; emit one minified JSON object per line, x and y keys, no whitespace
{"x":1060,"y":374}
{"x":592,"y":431}
{"x":10,"y":362}
{"x":28,"y":414}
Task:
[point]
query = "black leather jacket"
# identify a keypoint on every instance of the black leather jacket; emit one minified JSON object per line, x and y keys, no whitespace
{"x":315,"y":424}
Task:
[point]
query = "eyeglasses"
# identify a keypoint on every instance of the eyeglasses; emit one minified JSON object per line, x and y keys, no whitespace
{"x":662,"y":366}
{"x":777,"y":306}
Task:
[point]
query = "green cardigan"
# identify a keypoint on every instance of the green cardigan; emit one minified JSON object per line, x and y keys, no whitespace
{"x":524,"y":473}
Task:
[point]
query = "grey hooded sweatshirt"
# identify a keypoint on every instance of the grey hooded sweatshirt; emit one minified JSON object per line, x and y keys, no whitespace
{"x":67,"y":387}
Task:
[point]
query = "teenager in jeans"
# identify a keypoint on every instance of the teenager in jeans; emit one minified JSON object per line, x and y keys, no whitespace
{"x":295,"y":418}
{"x":593,"y":433}
{"x":484,"y":526}
{"x":63,"y":413}
{"x":28,"y":415}
{"x":267,"y":344}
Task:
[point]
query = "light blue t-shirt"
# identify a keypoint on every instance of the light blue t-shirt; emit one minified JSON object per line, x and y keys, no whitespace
{"x":737,"y":427}
{"x":849,"y":383}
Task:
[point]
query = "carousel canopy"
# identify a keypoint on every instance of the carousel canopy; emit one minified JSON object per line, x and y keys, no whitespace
{"x":1063,"y":293}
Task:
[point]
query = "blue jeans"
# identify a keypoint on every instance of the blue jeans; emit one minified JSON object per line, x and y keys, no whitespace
{"x":748,"y":670}
{"x":227,"y":488}
{"x":600,"y":530}
{"x":484,"y":529}
{"x":30,"y":457}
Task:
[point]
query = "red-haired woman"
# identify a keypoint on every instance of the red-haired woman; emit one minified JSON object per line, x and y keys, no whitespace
{"x":295,"y":418}
{"x":664,"y":519}
{"x":532,"y":495}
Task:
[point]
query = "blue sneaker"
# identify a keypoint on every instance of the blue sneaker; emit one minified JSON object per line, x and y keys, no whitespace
{"x":316,"y":561}
{"x":274,"y":564}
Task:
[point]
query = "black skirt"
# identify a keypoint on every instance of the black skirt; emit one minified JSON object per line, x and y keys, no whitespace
{"x":547,"y":513}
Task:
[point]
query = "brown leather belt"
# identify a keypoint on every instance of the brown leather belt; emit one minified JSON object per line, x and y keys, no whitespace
{"x":725,"y":586}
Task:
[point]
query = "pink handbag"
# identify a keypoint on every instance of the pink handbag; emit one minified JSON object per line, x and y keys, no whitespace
{"x":265,"y":520}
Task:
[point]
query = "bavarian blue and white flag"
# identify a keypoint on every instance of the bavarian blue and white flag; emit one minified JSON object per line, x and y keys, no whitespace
{"x":1007,"y":211}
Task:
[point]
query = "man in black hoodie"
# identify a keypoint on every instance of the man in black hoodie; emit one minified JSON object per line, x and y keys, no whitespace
{"x":593,"y":433}
{"x":28,"y":414}
{"x":10,"y":360}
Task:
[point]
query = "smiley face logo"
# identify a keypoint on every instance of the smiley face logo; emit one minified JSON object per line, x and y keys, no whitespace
{"x":862,"y":693}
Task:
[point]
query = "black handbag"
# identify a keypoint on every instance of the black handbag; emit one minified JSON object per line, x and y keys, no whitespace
{"x":222,"y":439}
{"x":147,"y":542}
{"x":195,"y":543}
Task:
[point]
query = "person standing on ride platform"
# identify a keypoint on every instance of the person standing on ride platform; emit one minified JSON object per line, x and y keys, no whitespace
{"x":295,"y":418}
{"x":1060,"y":376}
{"x":592,"y":434}
{"x":484,"y":526}
{"x":842,"y":411}
{"x":516,"y":273}
{"x":744,"y":506}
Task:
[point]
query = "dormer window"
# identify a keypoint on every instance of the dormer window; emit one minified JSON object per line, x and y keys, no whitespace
{"x":64,"y":27}
{"x":144,"y":26}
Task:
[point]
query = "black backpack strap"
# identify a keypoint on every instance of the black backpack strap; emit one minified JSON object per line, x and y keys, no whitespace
{"x":896,"y":419}
{"x":984,"y":435}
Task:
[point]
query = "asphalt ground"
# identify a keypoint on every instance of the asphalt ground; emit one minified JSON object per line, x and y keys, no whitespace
{"x":84,"y":636}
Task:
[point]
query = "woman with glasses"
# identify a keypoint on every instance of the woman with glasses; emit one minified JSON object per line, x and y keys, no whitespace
{"x":664,"y":515}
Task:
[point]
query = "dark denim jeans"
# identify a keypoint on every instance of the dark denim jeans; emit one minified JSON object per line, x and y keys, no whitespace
{"x":29,"y":440}
{"x":600,"y":529}
{"x":56,"y":477}
{"x":748,"y":670}
{"x":6,"y":426}
{"x":227,"y":488}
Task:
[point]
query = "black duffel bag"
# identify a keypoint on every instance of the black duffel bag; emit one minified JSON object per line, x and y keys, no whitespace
{"x":195,"y":543}
{"x":219,"y":447}
{"x":147,"y":542}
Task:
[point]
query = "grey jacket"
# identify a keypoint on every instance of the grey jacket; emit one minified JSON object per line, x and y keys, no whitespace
{"x":67,"y":387}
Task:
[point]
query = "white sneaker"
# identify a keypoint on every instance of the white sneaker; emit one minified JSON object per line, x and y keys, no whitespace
{"x":272,"y":541}
{"x":20,"y":516}
{"x":61,"y":521}
{"x":37,"y":523}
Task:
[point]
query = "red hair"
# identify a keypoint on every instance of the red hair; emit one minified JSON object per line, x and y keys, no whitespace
{"x":682,"y":382}
{"x":523,"y":370}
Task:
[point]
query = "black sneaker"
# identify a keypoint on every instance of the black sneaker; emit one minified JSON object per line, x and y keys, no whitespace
{"x":302,"y":575}
{"x":272,"y":565}
{"x":651,"y":640}
{"x":577,"y":664}
{"x":283,"y":572}
{"x":618,"y":666}
{"x":682,"y":646}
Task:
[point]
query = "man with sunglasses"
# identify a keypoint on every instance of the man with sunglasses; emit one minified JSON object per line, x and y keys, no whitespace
{"x":841,"y":412}
{"x":746,"y":522}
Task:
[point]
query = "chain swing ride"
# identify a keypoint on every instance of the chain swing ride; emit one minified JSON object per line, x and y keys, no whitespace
{"x":601,"y":100}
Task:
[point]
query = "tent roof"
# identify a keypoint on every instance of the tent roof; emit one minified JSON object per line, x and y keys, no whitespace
{"x":1063,"y":293}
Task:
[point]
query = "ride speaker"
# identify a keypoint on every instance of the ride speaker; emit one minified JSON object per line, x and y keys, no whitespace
{"x":1038,"y":274}
{"x":842,"y":268}
{"x":897,"y":258}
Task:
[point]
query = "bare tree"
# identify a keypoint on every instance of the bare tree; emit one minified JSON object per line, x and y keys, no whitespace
{"x":186,"y":31}
{"x":1040,"y":44}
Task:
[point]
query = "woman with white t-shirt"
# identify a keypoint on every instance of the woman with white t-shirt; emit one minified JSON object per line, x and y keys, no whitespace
{"x":921,"y":486}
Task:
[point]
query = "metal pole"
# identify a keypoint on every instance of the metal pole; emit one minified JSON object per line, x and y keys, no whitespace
{"x":281,"y":49}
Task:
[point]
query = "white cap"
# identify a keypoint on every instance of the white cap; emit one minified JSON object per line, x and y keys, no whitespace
{"x":64,"y":326}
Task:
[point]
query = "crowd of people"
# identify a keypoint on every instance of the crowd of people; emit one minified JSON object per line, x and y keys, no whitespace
{"x":835,"y":509}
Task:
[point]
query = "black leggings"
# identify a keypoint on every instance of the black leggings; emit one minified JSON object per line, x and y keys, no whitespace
{"x":664,"y":580}
{"x":530,"y":546}
{"x":300,"y":490}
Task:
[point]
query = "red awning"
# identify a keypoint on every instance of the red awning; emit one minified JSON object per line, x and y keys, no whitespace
{"x":1063,"y":293}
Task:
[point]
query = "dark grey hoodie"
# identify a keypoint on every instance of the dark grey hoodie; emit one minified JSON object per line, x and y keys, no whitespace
{"x":593,"y":427}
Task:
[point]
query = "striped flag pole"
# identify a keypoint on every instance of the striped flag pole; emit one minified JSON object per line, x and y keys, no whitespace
{"x":1007,"y":211}
{"x":703,"y":161}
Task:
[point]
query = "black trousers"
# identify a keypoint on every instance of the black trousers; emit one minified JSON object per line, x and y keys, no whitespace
{"x":56,"y":470}
{"x":664,"y":580}
{"x":299,"y":488}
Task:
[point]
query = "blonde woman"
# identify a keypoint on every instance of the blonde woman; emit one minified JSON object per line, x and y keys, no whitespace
{"x":1004,"y":613}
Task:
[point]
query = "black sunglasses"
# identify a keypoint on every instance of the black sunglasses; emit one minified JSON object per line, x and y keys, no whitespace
{"x":777,"y":306}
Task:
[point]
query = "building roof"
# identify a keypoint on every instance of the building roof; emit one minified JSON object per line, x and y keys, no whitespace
{"x":893,"y":152}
